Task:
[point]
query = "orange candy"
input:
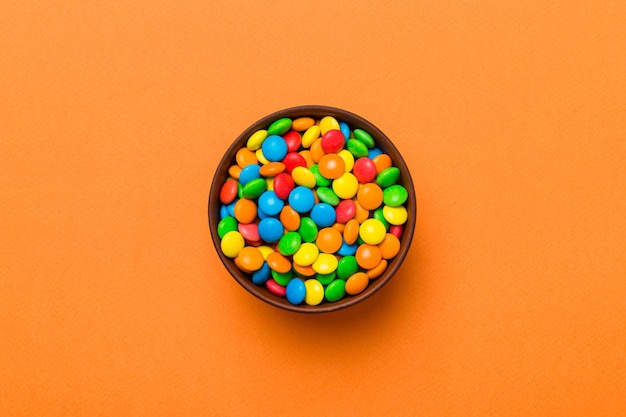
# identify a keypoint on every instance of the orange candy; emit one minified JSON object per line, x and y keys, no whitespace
{"x":390,"y":246}
{"x":245,"y":211}
{"x":377,"y":270}
{"x":302,"y":123}
{"x":278,"y":263}
{"x":357,"y":283}
{"x":361,"y":214}
{"x":316,"y":150}
{"x":245,"y":157}
{"x":234,"y":171}
{"x":306,"y":154}
{"x":370,"y":196}
{"x":368,"y":256}
{"x":305,"y":271}
{"x":339,"y":227}
{"x":249,"y":259}
{"x":290,"y":218}
{"x":382,"y":161}
{"x":328,"y":240}
{"x":351,"y":231}
{"x":331,"y":166}
{"x":272,"y":169}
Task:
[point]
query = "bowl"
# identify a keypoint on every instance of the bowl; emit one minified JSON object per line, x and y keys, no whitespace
{"x":382,"y":142}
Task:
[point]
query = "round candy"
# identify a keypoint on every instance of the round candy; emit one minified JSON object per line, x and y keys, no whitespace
{"x":346,"y":267}
{"x":256,"y":139}
{"x":364,"y":170}
{"x":234,"y":171}
{"x":310,"y":136}
{"x":306,"y":254}
{"x":244,"y":157}
{"x":314,"y":292}
{"x":302,"y":123}
{"x":303,"y":271}
{"x":292,"y":160}
{"x":364,"y":137}
{"x":232,"y":243}
{"x":396,"y":230}
{"x":290,"y":218}
{"x":395,"y":215}
{"x":295,"y":291}
{"x":293,"y":140}
{"x":328,"y":240}
{"x":356,"y":148}
{"x":323,"y":215}
{"x":370,"y":196}
{"x":335,"y":291}
{"x":331,"y":166}
{"x":307,"y":229}
{"x":360,"y":214}
{"x":306,"y":154}
{"x":227,"y":224}
{"x":348,"y":159}
{"x":250,"y":258}
{"x":245,"y":210}
{"x":228,"y":192}
{"x":328,"y":196}
{"x":250,"y":231}
{"x":262,"y":275}
{"x":372,"y":231}
{"x":378,"y":215}
{"x":289,"y":243}
{"x":345,"y":130}
{"x":368,"y":256}
{"x":382,"y":162}
{"x":279,"y":263}
{"x":254,"y":188}
{"x":333,"y":141}
{"x":270,"y":203}
{"x":272,"y":169}
{"x":357,"y":283}
{"x":347,"y":250}
{"x":395,"y":195}
{"x":259,"y":155}
{"x":279,"y":127}
{"x":282,"y":278}
{"x":249,"y":173}
{"x":270,"y":229}
{"x":265,"y":250}
{"x":373,"y":153}
{"x":275,"y":288}
{"x":325,"y":263}
{"x":351,"y":231}
{"x":390,"y":246}
{"x":346,"y":210}
{"x":319,"y":178}
{"x":346,"y":186}
{"x":283,"y":185}
{"x":377,"y":270}
{"x":301,"y":199}
{"x":317,"y":152}
{"x":274,"y":148}
{"x":303,"y":176}
{"x":388,"y":177}
{"x":328,"y":123}
{"x":326,"y":279}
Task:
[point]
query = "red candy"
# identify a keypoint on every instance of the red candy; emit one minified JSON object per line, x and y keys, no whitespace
{"x":275,"y":288}
{"x":396,"y":230}
{"x":250,"y":231}
{"x":345,"y":211}
{"x":228,"y":192}
{"x":364,"y":170}
{"x":293,"y":140}
{"x":292,"y":160}
{"x":283,"y":184}
{"x":333,"y":141}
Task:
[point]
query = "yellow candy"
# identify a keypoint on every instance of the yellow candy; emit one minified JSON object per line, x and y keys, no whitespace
{"x":395,"y":215}
{"x":310,"y":136}
{"x":270,"y":183}
{"x":348,"y":159}
{"x":306,"y":255}
{"x":232,"y":243}
{"x":325,"y":263}
{"x":372,"y":231}
{"x":346,"y":186}
{"x":303,"y":176}
{"x":262,"y":159}
{"x":314,"y":292}
{"x":328,"y":123}
{"x":256,"y":140}
{"x":265,"y":250}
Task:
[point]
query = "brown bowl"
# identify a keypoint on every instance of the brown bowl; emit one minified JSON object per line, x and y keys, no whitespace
{"x":382,"y":142}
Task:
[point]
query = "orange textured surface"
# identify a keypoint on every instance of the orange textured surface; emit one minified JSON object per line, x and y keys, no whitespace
{"x":512,"y":116}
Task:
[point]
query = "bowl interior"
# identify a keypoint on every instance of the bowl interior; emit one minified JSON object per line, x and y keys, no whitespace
{"x":354,"y":122}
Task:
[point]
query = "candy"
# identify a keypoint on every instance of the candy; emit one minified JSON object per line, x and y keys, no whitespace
{"x":312,"y":211}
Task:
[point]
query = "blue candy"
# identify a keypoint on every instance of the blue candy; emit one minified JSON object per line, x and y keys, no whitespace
{"x":301,"y":199}
{"x":274,"y":148}
{"x":270,"y":229}
{"x":248,"y":173}
{"x":295,"y":291}
{"x":345,"y":129}
{"x":224,"y":211}
{"x":374,"y":152}
{"x":347,"y":250}
{"x":231,"y":208}
{"x":270,"y":204}
{"x":262,"y":275}
{"x":323,"y":215}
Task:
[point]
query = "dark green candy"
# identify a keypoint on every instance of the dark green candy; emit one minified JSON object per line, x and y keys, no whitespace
{"x":326,"y":279}
{"x":378,"y":215}
{"x":364,"y":137}
{"x":328,"y":196}
{"x":357,"y":148}
{"x":254,"y":188}
{"x":282,"y":278}
{"x":227,"y":224}
{"x":320,"y":181}
{"x":388,"y":177}
{"x":347,"y":267}
{"x":395,"y":195}
{"x":335,"y":291}
{"x":279,"y":127}
{"x":289,"y":243}
{"x":307,"y":230}
{"x":239,"y":190}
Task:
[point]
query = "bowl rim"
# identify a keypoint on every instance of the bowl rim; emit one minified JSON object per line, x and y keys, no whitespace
{"x":355,"y":121}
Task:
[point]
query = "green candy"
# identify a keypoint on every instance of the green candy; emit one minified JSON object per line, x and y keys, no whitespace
{"x":279,"y":127}
{"x":395,"y":195}
{"x":328,"y":196}
{"x":282,"y":279}
{"x":378,"y":215}
{"x":239,"y":190}
{"x":364,"y":137}
{"x":335,"y":291}
{"x":388,"y":177}
{"x":326,"y":279}
{"x":227,"y":224}
{"x":289,"y":243}
{"x":357,"y":148}
{"x":347,"y":267}
{"x":307,"y":230}
{"x":320,"y":181}
{"x":254,"y":188}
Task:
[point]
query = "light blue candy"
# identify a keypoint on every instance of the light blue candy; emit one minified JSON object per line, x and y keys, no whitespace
{"x":261,"y":275}
{"x":374,"y":152}
{"x":270,"y":229}
{"x":224,"y":211}
{"x":248,"y":173}
{"x":270,"y":203}
{"x":262,"y":214}
{"x":295,"y":291}
{"x":274,"y":148}
{"x":231,"y":208}
{"x":323,"y":215}
{"x":345,"y":129}
{"x":347,"y":250}
{"x":301,"y":199}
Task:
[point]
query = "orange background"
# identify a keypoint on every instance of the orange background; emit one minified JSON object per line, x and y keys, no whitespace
{"x":511,"y":115}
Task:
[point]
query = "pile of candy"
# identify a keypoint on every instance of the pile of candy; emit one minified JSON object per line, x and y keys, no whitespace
{"x":312,"y":210}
